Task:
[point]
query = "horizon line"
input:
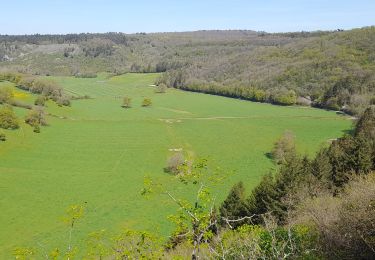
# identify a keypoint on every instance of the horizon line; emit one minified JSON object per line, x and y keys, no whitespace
{"x":191,"y":31}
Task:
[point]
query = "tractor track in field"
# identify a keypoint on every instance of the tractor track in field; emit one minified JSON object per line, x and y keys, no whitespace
{"x":180,"y":119}
{"x":247,"y":117}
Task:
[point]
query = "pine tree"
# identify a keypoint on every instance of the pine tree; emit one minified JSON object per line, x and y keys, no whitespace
{"x":342,"y":160}
{"x":262,"y":198}
{"x":365,"y":128}
{"x":363,"y":155}
{"x":366,"y":124}
{"x":234,"y":206}
{"x":321,"y":167}
{"x":289,"y":177}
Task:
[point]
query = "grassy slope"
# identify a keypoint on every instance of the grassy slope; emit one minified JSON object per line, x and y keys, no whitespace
{"x":99,"y":155}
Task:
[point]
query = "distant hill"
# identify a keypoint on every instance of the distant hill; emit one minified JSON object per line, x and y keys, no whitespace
{"x":333,"y":70}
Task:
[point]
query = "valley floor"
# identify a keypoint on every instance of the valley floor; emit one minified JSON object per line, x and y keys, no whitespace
{"x":96,"y":153}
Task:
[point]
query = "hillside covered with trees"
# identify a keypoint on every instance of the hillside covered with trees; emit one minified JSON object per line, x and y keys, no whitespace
{"x":333,"y":70}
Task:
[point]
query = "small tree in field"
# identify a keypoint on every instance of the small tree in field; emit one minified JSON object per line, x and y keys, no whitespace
{"x":2,"y":137}
{"x":146,"y":102}
{"x":174,"y":163}
{"x":161,"y":88}
{"x":284,"y":148}
{"x":127,"y":102}
{"x":36,"y":118}
{"x":40,"y":100}
{"x":6,"y":95}
{"x":8,"y":119}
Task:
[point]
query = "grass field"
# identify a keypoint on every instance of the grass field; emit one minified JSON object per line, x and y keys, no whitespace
{"x":96,"y":153}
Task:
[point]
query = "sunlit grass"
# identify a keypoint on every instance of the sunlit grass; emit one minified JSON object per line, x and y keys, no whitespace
{"x":98,"y":155}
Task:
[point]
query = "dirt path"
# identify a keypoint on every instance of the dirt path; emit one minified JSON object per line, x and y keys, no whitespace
{"x":176,"y":110}
{"x":167,"y":120}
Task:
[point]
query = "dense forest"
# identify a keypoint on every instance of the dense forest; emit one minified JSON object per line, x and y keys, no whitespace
{"x":333,"y":70}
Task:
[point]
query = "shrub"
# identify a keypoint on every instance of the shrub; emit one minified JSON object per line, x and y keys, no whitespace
{"x":146,"y":102}
{"x":332,"y":104}
{"x":6,"y":94}
{"x":345,"y":222}
{"x":174,"y":163}
{"x":36,"y":129}
{"x":2,"y":137}
{"x":35,"y":118}
{"x":285,"y":98}
{"x":11,"y":76}
{"x":63,"y":101}
{"x":161,"y":88}
{"x":260,"y":95}
{"x":48,"y":88}
{"x":26,"y":83}
{"x":86,"y":75}
{"x":40,"y":101}
{"x":302,"y":101}
{"x":8,"y":119}
{"x":267,"y":242}
{"x":17,"y":103}
{"x":127,"y":102}
{"x":80,"y":97}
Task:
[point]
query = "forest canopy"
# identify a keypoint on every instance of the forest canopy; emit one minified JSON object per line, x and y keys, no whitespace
{"x":328,"y":69}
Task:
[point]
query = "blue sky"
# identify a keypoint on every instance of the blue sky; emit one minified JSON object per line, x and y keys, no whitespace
{"x":74,"y":16}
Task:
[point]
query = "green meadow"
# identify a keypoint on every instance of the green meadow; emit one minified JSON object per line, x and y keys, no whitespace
{"x":96,"y":153}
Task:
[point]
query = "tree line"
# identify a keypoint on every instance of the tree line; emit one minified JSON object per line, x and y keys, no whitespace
{"x":333,"y":70}
{"x":46,"y":90}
